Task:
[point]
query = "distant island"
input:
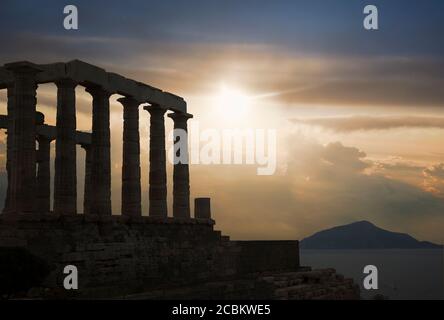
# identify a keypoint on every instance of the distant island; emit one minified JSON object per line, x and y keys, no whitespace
{"x":363,"y":235}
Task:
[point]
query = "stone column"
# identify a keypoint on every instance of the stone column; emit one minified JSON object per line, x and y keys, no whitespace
{"x":131,"y":191}
{"x":10,"y":109}
{"x":101,"y":158}
{"x":181,"y":175}
{"x":87,"y":187}
{"x":43,"y":175}
{"x":23,"y":161}
{"x":65,"y":176}
{"x":157,"y":177}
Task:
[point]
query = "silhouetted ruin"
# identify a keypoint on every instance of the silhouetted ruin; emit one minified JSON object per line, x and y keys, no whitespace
{"x":127,"y":255}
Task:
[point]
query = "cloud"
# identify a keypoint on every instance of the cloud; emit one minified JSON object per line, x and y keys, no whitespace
{"x":310,"y":25}
{"x":436,"y":171}
{"x":344,"y":157}
{"x":289,"y":75}
{"x":324,"y":185}
{"x":365,"y":123}
{"x":434,"y":179}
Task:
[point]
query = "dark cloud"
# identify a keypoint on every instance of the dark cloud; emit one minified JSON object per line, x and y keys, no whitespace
{"x":407,"y":26}
{"x":318,"y":55}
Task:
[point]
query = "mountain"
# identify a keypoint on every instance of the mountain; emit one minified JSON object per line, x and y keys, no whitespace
{"x":363,"y":235}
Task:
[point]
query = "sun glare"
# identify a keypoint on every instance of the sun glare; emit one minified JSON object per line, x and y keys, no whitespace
{"x":231,"y":103}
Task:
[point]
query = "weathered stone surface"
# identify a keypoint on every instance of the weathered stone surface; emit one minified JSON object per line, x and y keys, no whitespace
{"x":100,"y":179}
{"x":157,"y":175}
{"x":22,"y":183}
{"x":43,"y":175}
{"x":87,"y":75}
{"x":65,"y":177}
{"x":87,"y":192}
{"x":131,"y":189}
{"x":181,"y":175}
{"x":260,"y":287}
{"x":128,"y":256}
{"x":313,"y":285}
{"x":202,"y":208}
{"x":268,"y":255}
{"x":109,"y":252}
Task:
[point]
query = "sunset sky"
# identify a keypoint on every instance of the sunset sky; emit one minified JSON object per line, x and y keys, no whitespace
{"x":359,"y":114}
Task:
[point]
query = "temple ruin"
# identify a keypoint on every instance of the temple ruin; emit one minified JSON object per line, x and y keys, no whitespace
{"x":127,"y":254}
{"x":24,"y":128}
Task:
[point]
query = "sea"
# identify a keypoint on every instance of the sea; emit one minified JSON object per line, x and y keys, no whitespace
{"x":403,"y":274}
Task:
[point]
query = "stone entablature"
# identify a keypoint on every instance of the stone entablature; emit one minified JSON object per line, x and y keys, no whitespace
{"x":88,"y":75}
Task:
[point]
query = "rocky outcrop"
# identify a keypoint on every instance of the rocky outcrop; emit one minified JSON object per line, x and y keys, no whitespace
{"x":308,"y":284}
{"x":303,"y":284}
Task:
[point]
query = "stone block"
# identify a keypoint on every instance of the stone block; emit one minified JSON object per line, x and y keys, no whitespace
{"x":202,"y":208}
{"x":87,"y":74}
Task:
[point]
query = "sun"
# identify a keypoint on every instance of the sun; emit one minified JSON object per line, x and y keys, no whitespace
{"x":231,"y":103}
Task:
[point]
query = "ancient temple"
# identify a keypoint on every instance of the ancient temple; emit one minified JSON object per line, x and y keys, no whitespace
{"x":127,"y":254}
{"x":28,"y":192}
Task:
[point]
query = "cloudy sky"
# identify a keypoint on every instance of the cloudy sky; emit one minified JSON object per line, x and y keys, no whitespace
{"x":359,"y":114}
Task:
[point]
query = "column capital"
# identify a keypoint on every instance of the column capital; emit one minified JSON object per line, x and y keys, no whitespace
{"x":155,"y":109}
{"x":65,"y":83}
{"x":129,"y":102}
{"x":98,"y":91}
{"x":85,"y":146}
{"x":179,"y":116}
{"x":44,"y":138}
{"x":39,"y":118}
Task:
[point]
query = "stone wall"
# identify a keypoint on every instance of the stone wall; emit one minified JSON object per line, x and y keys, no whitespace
{"x":258,"y":256}
{"x":119,"y":255}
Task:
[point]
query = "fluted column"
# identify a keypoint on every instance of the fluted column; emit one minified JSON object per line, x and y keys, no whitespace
{"x":10,"y":109}
{"x":43,"y":175}
{"x":157,"y":175}
{"x":181,"y":175}
{"x":23,"y":161}
{"x":131,"y":191}
{"x":65,"y":176}
{"x":101,"y":158}
{"x":87,"y":187}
